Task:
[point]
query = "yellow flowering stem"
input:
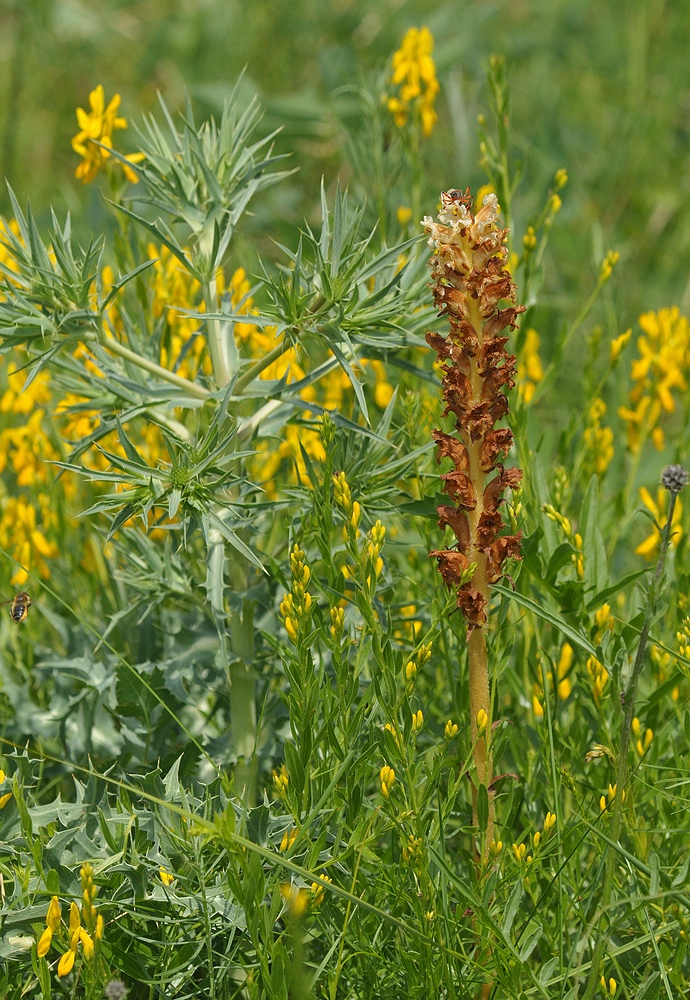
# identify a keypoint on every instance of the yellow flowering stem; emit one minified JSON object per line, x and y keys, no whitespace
{"x":673,"y":479}
{"x":191,"y":388}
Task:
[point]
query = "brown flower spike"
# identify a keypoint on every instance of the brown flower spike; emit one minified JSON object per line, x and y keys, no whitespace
{"x":469,"y":281}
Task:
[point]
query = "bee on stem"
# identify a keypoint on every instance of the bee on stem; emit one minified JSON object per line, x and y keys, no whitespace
{"x":20,"y":605}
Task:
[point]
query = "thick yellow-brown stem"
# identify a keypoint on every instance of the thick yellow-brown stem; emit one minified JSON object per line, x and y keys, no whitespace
{"x":478,"y":661}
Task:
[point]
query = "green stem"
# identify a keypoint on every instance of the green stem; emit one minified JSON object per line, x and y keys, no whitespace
{"x":214,"y":330}
{"x":261,"y":365}
{"x":628,"y":703}
{"x":191,"y":388}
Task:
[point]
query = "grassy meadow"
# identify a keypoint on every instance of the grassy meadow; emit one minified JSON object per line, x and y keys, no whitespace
{"x":344,"y":423}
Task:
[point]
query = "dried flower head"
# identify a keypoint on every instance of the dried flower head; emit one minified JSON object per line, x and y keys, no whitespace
{"x":470,"y":279}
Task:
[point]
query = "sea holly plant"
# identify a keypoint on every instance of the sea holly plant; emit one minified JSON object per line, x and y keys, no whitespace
{"x":183,"y":382}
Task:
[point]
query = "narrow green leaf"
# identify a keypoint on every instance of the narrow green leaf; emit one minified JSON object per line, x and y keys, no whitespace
{"x":511,"y":910}
{"x":552,"y":617}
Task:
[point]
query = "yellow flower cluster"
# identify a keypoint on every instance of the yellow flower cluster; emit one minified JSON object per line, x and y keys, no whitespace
{"x":387,"y":778}
{"x":683,"y":638}
{"x":86,"y":934}
{"x":337,"y":616}
{"x":642,"y":741}
{"x":414,"y":73}
{"x":318,"y":891}
{"x":648,"y":547}
{"x":289,"y":837}
{"x":598,"y":440}
{"x":520,"y":850}
{"x":662,"y":367}
{"x":610,"y":987}
{"x":520,"y":854}
{"x":599,"y":677}
{"x":412,"y":666}
{"x":529,"y":368}
{"x":564,"y":685}
{"x":604,"y":622}
{"x":412,"y":851}
{"x":281,"y":780}
{"x":97,"y":126}
{"x":607,"y":264}
{"x":574,"y":537}
{"x":296,"y":900}
{"x":166,"y":877}
{"x":607,"y":799}
{"x":296,"y":606}
{"x":618,"y":344}
{"x":451,"y":730}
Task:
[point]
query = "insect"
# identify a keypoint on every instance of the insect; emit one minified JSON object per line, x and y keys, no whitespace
{"x":20,"y":607}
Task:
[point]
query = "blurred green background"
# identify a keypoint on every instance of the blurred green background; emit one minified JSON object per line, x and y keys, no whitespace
{"x":602,"y":89}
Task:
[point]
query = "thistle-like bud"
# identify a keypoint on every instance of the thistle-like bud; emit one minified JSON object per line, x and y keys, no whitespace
{"x":470,"y":278}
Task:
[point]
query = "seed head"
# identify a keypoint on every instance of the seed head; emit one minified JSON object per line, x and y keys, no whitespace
{"x":674,"y":478}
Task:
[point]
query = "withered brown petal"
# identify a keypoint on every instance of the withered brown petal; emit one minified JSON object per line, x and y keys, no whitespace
{"x":490,"y":523}
{"x":457,"y":520}
{"x":439,"y":344}
{"x":460,"y":487}
{"x":452,"y":564}
{"x":495,"y":443}
{"x":472,"y":603}
{"x":448,"y":446}
{"x":504,"y":547}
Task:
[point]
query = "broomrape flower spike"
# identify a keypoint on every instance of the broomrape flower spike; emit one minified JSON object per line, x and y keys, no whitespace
{"x":469,"y":279}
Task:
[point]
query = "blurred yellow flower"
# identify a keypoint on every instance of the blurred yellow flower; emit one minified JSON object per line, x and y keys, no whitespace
{"x":97,"y":126}
{"x":529,"y":368}
{"x":598,"y":440}
{"x":404,"y":214}
{"x":20,"y":535}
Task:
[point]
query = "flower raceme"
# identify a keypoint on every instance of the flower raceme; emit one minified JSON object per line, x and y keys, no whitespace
{"x":414,"y":73}
{"x":85,"y":928}
{"x":663,"y":365}
{"x":469,"y":281}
